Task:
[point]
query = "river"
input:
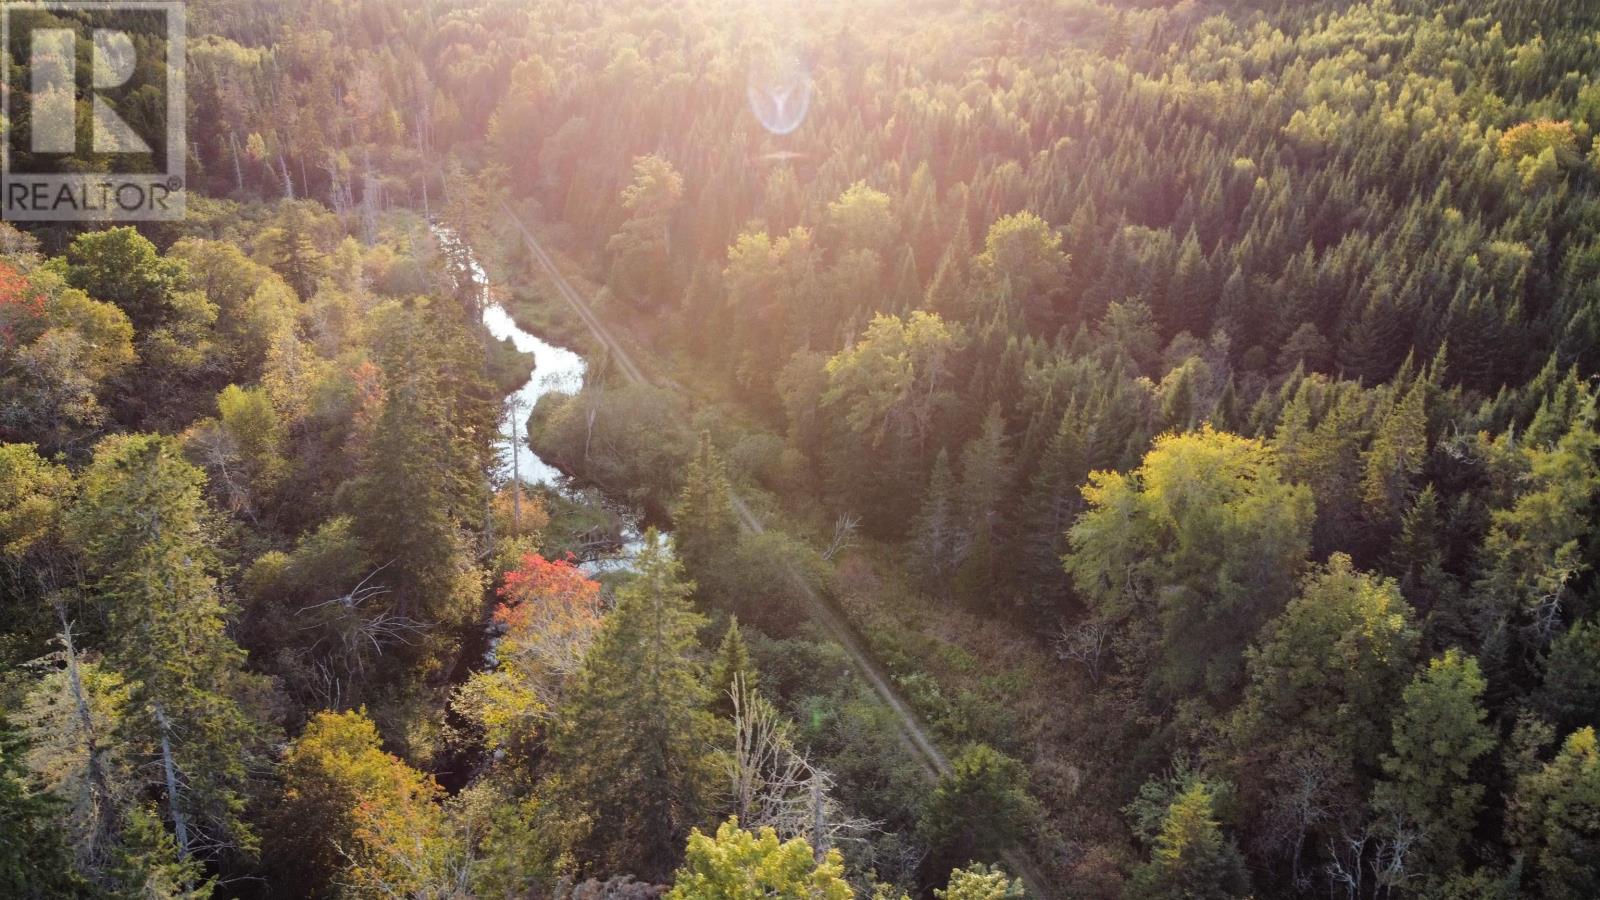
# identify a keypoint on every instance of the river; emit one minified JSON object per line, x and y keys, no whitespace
{"x":555,"y":370}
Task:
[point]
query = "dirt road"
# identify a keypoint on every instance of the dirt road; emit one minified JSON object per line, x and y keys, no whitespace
{"x":913,"y":732}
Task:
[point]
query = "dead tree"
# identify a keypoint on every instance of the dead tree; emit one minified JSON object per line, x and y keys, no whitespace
{"x":1085,"y":644}
{"x":775,"y":786}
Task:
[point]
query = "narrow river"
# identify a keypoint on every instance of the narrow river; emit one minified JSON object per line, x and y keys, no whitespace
{"x":555,"y":370}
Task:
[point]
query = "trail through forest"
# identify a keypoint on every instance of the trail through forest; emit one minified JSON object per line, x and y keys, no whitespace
{"x":913,"y":733}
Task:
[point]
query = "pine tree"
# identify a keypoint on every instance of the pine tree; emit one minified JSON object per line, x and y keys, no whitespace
{"x":34,"y":862}
{"x":140,"y":526}
{"x":421,"y":478}
{"x":631,"y":759}
{"x":1393,"y":462}
{"x":1053,"y":502}
{"x":731,"y":669}
{"x":1192,"y":859}
{"x":907,"y":286}
{"x":947,"y":292}
{"x":985,"y":490}
{"x":1417,"y":557}
{"x":292,"y":252}
{"x":1533,"y":553}
{"x":939,"y":539}
{"x":706,"y":527}
{"x":1570,"y":695}
{"x":1188,"y":300}
{"x":1439,"y":737}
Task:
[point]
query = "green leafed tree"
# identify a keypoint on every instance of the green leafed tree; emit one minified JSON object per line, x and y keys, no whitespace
{"x":1439,"y":736}
{"x":121,"y":266}
{"x":354,"y":820}
{"x":1324,"y":681}
{"x":1022,"y":265}
{"x":734,"y":864}
{"x":1556,"y":820}
{"x":894,"y":377}
{"x":862,"y":219}
{"x":1332,"y":666}
{"x":1191,"y":859}
{"x":1202,"y":544}
{"x":981,"y":882}
{"x":978,"y":810}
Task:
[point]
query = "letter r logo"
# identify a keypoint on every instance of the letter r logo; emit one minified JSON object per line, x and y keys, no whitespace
{"x":93,"y":93}
{"x":55,"y":73}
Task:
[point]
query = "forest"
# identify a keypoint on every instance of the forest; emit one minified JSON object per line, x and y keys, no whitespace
{"x":1075,"y":449}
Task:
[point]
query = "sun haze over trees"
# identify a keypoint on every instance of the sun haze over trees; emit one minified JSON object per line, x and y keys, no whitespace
{"x":1094,"y":449}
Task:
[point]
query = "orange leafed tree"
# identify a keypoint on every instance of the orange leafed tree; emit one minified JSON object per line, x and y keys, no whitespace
{"x":549,"y":612}
{"x":549,"y":615}
{"x":21,"y":307}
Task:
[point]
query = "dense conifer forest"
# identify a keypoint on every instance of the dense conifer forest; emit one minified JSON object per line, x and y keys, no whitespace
{"x":1078,"y":449}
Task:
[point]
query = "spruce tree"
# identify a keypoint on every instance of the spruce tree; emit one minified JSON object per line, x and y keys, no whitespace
{"x":1396,"y":456}
{"x":1053,"y":502}
{"x":731,"y":668}
{"x":34,"y":861}
{"x":1570,"y":695}
{"x":705,"y":522}
{"x":1192,"y":859}
{"x":140,"y":526}
{"x":632,"y":759}
{"x":939,"y":539}
{"x":985,"y":496}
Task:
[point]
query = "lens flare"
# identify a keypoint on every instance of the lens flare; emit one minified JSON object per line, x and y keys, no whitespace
{"x":780,"y":94}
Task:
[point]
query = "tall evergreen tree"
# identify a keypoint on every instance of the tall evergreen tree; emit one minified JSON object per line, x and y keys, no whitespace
{"x":34,"y":862}
{"x":632,"y":755}
{"x":1398,"y":451}
{"x":1192,"y":859}
{"x":140,"y":524}
{"x":1439,"y":737}
{"x":1053,"y":502}
{"x":732,"y":669}
{"x":704,"y":520}
{"x":939,"y":539}
{"x":985,"y":494}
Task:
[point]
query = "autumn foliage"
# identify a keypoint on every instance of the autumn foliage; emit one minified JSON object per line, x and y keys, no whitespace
{"x":548,"y":617}
{"x":549,"y":611}
{"x":21,"y":306}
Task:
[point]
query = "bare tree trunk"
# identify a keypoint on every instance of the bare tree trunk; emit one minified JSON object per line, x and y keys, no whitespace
{"x":180,"y":824}
{"x":819,"y":822}
{"x":238,"y":170}
{"x":516,"y":473}
{"x":288,"y":184}
{"x":99,"y":787}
